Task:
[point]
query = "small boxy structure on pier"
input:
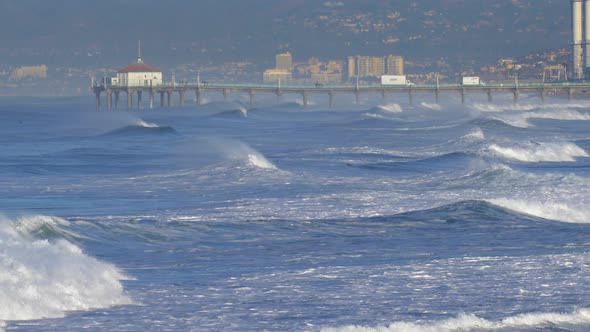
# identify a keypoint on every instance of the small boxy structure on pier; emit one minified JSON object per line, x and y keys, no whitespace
{"x":139,"y":77}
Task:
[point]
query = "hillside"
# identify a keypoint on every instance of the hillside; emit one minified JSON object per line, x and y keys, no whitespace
{"x":99,"y":33}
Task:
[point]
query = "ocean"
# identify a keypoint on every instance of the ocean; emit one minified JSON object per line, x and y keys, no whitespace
{"x":376,"y":217}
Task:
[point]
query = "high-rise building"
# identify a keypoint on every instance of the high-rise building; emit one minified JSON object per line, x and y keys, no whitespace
{"x":284,"y":61}
{"x":369,"y":66}
{"x":377,"y":67}
{"x":351,"y":67}
{"x":363,"y":64}
{"x":394,"y":65}
{"x":29,"y":71}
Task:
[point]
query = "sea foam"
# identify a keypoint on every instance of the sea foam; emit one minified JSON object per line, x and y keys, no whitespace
{"x":547,"y":210}
{"x":522,"y":119}
{"x":431,"y":106}
{"x":519,"y":115}
{"x":391,"y":108}
{"x":141,"y":123}
{"x":467,"y":322}
{"x":44,"y":279}
{"x":258,"y":160}
{"x":540,"y":152}
{"x":475,"y":135}
{"x":236,"y":150}
{"x":497,"y":108}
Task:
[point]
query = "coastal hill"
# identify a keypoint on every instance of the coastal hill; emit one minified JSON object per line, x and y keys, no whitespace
{"x":104,"y":32}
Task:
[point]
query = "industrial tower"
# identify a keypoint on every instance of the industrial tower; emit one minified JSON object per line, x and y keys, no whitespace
{"x":581,"y":38}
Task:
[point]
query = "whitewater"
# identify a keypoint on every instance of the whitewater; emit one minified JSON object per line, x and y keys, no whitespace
{"x":376,"y":217}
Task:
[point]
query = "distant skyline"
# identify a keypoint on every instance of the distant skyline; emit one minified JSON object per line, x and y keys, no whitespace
{"x":105,"y":33}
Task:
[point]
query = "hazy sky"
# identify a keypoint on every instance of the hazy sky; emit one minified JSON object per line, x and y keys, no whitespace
{"x":96,"y":32}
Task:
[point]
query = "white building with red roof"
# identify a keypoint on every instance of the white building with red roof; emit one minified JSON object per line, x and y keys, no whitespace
{"x":138,"y":75}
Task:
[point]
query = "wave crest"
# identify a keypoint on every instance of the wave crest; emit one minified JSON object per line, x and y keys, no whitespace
{"x":431,"y":106}
{"x":390,"y":108}
{"x":144,"y":124}
{"x":541,"y":152}
{"x":236,"y":150}
{"x":258,"y":160}
{"x":546,"y":210}
{"x":137,"y":130}
{"x":45,"y":279}
{"x":475,"y":136}
{"x":471,"y":322}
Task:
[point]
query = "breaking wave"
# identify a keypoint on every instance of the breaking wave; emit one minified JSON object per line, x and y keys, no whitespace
{"x":546,"y":210}
{"x":522,"y":119}
{"x":495,"y":108}
{"x":475,"y":136}
{"x":540,"y":152}
{"x":390,"y":108}
{"x":41,"y":278}
{"x":44,"y":227}
{"x":258,"y":160}
{"x":236,"y":150}
{"x":387,"y":112}
{"x":142,"y":123}
{"x":241,"y":112}
{"x":466,"y":322}
{"x":141,"y":130}
{"x":431,"y":106}
{"x":492,"y":123}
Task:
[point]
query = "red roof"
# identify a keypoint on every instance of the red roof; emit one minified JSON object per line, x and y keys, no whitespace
{"x":139,"y":68}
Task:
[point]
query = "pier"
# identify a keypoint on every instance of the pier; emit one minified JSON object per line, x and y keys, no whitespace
{"x":165,"y":94}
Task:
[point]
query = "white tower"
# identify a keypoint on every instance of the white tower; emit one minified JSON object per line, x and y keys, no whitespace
{"x":586,"y":39}
{"x":139,"y":60}
{"x":578,"y":52}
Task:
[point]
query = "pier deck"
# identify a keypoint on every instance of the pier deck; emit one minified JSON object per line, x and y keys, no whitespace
{"x":166,"y":91}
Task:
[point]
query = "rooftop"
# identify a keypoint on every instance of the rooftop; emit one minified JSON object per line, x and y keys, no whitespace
{"x":140,"y":67}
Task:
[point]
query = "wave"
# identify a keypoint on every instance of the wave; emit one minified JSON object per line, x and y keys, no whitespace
{"x":134,"y":130}
{"x":496,"y":108}
{"x":444,"y":162}
{"x":519,"y":115}
{"x":547,"y":210}
{"x":470,"y":322}
{"x":142,"y":123}
{"x":43,"y":226}
{"x":239,"y":151}
{"x":240,"y":113}
{"x":459,"y":211}
{"x":491,"y":123}
{"x":521,"y":120}
{"x":389,"y":108}
{"x":369,"y":151}
{"x":540,"y":152}
{"x":375,"y":116}
{"x":431,"y":106}
{"x":258,"y":160}
{"x":40,"y":278}
{"x":559,"y":115}
{"x":383,"y":112}
{"x":476,"y":135}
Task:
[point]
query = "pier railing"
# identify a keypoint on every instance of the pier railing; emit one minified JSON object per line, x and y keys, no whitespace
{"x":166,"y":90}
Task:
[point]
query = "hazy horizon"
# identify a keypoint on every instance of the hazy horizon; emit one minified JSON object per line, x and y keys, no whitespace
{"x":105,"y":33}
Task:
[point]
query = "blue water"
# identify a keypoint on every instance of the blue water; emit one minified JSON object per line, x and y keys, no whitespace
{"x":280,"y":218}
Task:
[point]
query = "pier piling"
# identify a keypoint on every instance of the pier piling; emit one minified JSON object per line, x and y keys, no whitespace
{"x":166,"y":91}
{"x":129,"y":99}
{"x":109,"y":99}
